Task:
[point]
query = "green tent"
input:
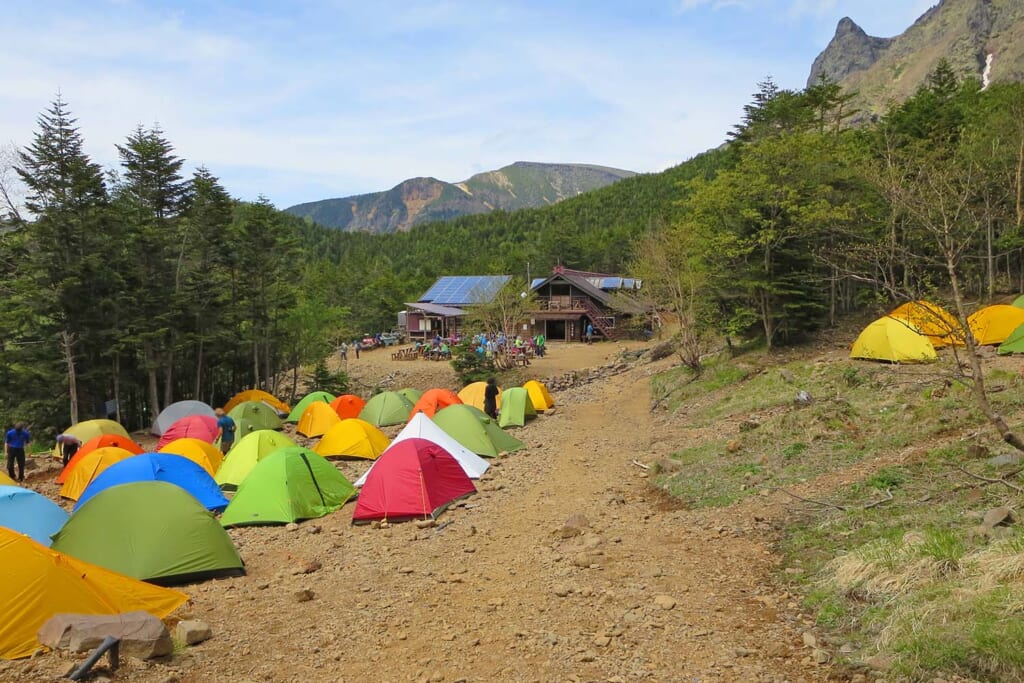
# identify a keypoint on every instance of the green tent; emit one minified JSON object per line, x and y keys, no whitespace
{"x":301,"y":406}
{"x":248,"y":451}
{"x":516,"y":408}
{"x":256,"y":413}
{"x":411,"y":395}
{"x":386,"y":408}
{"x":1014,"y":343}
{"x":288,"y":485}
{"x":473,"y":429}
{"x":1019,"y":301}
{"x":150,"y":530}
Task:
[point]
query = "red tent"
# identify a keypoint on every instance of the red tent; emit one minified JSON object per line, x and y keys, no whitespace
{"x":347,"y":406}
{"x":413,"y":479}
{"x":101,"y":441}
{"x":433,"y":400}
{"x":202,"y":427}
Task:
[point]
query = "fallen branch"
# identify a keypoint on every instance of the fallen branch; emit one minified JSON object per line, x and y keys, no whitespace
{"x":640,"y":464}
{"x":844,"y":508}
{"x":990,"y":480}
{"x":888,"y":497}
{"x":809,"y":500}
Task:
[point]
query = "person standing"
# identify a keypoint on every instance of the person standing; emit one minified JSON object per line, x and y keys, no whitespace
{"x":491,"y":399}
{"x":68,"y":445}
{"x":357,"y":345}
{"x":343,"y":350}
{"x":15,"y":442}
{"x":225,"y":430}
{"x":590,"y":332}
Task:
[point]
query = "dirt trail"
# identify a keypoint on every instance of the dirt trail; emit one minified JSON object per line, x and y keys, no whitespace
{"x":566,"y":566}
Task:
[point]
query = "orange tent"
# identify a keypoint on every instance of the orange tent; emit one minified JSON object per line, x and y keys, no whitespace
{"x":317,"y":419}
{"x":434,"y":400}
{"x":934,"y":322}
{"x":473,"y":395}
{"x":993,"y":324}
{"x":89,"y":467}
{"x":257,"y":395}
{"x":204,"y":454}
{"x":42,"y":583}
{"x":348,"y":406}
{"x":104,"y":441}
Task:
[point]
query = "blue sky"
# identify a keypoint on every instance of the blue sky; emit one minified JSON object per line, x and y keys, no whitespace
{"x":307,"y":99}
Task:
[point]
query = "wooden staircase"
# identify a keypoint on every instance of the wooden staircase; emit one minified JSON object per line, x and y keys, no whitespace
{"x":602,"y":322}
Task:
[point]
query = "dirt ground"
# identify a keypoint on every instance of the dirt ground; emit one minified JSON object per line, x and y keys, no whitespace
{"x":566,"y":566}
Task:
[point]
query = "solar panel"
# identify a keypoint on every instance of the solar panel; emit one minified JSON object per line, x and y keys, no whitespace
{"x":536,"y":282}
{"x":453,"y":290}
{"x":611,"y":282}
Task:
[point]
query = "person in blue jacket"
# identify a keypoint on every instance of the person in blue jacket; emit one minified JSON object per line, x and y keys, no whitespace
{"x":15,"y":442}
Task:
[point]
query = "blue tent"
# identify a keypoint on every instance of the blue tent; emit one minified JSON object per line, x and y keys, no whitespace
{"x":30,"y":513}
{"x":173,"y":469}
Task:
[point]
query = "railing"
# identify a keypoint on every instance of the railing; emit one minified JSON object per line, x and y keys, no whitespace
{"x":562,"y":303}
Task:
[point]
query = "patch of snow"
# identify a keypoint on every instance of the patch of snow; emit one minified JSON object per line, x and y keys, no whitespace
{"x":986,"y":75}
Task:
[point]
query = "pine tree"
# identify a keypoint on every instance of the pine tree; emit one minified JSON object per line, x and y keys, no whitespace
{"x":64,"y":261}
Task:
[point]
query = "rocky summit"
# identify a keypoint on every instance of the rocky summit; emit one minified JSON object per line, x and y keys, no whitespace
{"x":979,"y":38}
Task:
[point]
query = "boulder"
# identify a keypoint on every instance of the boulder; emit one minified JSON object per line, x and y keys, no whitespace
{"x":998,"y":516}
{"x":192,"y":631}
{"x":142,"y":635}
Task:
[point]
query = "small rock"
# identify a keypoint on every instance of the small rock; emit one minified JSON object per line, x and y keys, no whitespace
{"x":803,"y":399}
{"x":562,"y":591}
{"x":879,"y":662}
{"x":665,"y":602}
{"x":1006,"y":459}
{"x":425,"y":523}
{"x":601,"y":641}
{"x":291,"y":526}
{"x":821,"y":657}
{"x":306,"y":567}
{"x":405,"y":570}
{"x":786,"y":375}
{"x":809,"y":639}
{"x":733,"y":445}
{"x":587,"y":656}
{"x":977,"y":451}
{"x":1001,"y":515}
{"x":192,"y":631}
{"x":304,"y":595}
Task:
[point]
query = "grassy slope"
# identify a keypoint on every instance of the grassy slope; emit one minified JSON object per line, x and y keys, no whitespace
{"x":913,"y":578}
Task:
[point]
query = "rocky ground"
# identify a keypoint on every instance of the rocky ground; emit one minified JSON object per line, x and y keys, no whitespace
{"x":566,"y":566}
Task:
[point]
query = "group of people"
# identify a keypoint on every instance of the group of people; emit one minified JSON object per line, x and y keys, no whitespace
{"x":356,"y":347}
{"x":491,"y":345}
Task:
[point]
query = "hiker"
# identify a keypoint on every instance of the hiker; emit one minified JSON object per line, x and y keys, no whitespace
{"x":343,"y":350}
{"x":538,"y":343}
{"x":225,"y":430}
{"x":15,"y":442}
{"x":357,"y":345}
{"x":491,"y":398}
{"x":68,"y":445}
{"x":590,"y":333}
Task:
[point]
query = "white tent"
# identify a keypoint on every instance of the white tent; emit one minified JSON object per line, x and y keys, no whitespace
{"x":422,"y":427}
{"x":176,"y":411}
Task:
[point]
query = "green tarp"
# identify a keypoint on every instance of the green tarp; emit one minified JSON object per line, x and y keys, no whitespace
{"x":473,"y":429}
{"x":290,"y":484}
{"x":150,"y":530}
{"x":248,"y":451}
{"x":516,"y":408}
{"x":386,"y":408}
{"x":1014,"y":343}
{"x":301,"y":406}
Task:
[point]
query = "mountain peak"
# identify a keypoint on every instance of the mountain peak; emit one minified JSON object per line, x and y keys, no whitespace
{"x":519,"y":185}
{"x":851,"y":49}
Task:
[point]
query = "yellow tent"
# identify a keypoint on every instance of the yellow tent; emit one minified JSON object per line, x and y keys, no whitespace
{"x":317,"y":419}
{"x":206,"y":455}
{"x":257,"y":395}
{"x":935,"y":322}
{"x":892,"y":340}
{"x":90,"y":429}
{"x":993,"y":324}
{"x":89,"y":467}
{"x":6,"y":481}
{"x":539,"y":395}
{"x":352,"y":438}
{"x":39,"y":583}
{"x":473,"y":395}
